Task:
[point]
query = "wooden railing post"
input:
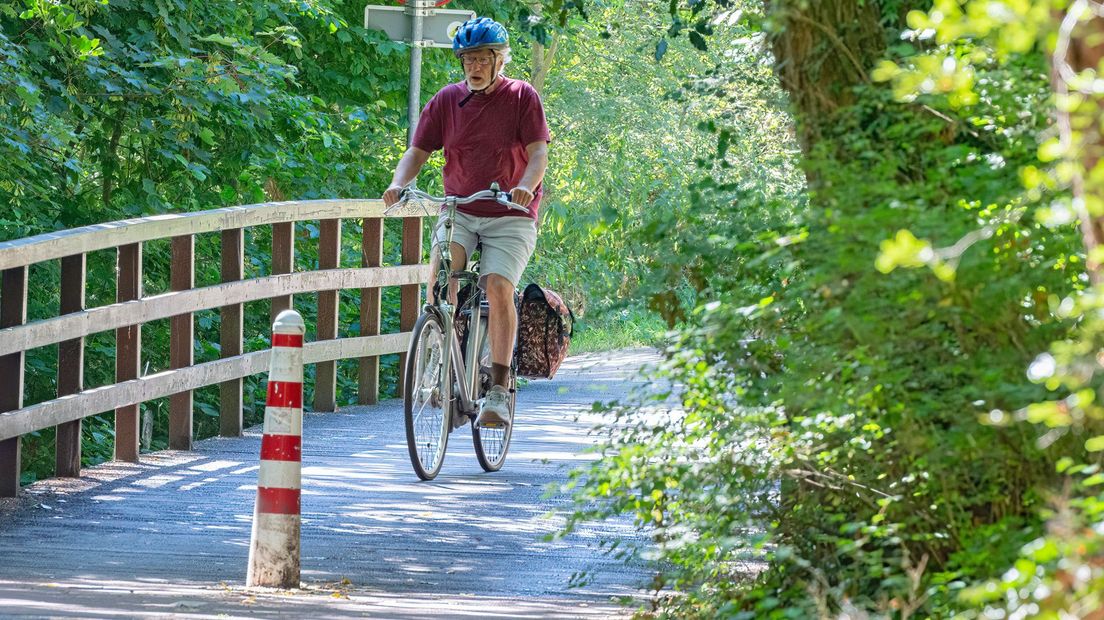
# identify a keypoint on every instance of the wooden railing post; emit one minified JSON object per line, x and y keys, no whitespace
{"x":325,"y":373}
{"x":181,"y":342}
{"x":230,"y":333}
{"x":70,"y":372}
{"x":13,"y":311}
{"x":128,"y":351}
{"x":368,"y":368}
{"x":410,"y":295}
{"x":283,"y":259}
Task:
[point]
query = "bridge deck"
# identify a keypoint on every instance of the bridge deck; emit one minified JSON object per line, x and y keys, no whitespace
{"x":170,"y":536}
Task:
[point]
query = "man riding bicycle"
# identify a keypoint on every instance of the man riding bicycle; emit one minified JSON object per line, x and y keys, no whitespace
{"x":493,"y":130}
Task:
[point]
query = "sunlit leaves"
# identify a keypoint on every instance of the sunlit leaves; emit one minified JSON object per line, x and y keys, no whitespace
{"x":616,"y":185}
{"x":996,"y":29}
{"x":220,"y":39}
{"x":66,"y":20}
{"x":905,"y":250}
{"x":1015,"y":25}
{"x":931,"y":74}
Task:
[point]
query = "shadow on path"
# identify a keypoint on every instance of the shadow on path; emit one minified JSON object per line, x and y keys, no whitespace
{"x":170,"y":537}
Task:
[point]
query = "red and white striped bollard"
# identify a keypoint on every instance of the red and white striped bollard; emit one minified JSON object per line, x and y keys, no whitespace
{"x":274,"y":542}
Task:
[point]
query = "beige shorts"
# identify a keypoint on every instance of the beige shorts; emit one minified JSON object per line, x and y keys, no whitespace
{"x":508,"y":243}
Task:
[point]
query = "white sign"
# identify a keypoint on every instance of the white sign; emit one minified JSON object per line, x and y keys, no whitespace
{"x":438,"y":25}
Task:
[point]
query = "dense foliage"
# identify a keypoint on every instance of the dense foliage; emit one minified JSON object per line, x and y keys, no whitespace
{"x":839,"y":435}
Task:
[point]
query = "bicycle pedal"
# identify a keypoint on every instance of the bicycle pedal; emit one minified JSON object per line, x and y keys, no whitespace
{"x":491,"y":426}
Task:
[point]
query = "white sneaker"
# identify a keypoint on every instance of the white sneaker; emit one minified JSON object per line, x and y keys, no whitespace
{"x":495,"y":412}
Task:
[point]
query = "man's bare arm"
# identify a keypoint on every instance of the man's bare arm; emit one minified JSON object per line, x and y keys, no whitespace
{"x":407,"y":170}
{"x":534,"y":173}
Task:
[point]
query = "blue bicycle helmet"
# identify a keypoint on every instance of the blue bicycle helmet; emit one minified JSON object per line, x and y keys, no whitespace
{"x":479,"y":33}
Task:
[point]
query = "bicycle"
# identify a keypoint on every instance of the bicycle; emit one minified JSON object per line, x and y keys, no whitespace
{"x":443,"y":385}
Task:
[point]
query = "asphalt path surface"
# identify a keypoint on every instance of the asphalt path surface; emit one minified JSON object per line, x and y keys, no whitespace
{"x":169,"y":537}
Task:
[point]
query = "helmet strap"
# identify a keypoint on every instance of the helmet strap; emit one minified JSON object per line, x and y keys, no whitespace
{"x":494,"y":78}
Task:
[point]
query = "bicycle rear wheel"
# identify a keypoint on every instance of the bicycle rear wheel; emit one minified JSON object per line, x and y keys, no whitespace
{"x":426,"y":401}
{"x":491,"y":444}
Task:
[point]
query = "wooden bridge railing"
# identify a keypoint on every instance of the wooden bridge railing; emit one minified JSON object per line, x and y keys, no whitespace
{"x":132,"y":309}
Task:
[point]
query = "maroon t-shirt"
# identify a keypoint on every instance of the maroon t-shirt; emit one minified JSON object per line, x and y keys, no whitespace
{"x":485,"y":140}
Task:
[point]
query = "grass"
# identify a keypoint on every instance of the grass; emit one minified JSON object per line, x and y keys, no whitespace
{"x":617,"y":330}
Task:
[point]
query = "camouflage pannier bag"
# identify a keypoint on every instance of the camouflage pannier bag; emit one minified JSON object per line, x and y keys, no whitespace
{"x":545,"y":327}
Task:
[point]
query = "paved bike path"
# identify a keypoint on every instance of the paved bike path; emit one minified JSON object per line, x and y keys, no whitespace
{"x":170,"y":537}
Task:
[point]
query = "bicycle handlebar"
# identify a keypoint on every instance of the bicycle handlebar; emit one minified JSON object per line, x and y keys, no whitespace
{"x":493,"y":193}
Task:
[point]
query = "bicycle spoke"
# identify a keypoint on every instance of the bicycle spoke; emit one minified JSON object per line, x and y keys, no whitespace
{"x":491,"y":444}
{"x":426,"y":402}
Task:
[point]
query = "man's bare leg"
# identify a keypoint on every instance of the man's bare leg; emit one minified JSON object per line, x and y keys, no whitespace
{"x":495,"y":410}
{"x":502,"y":327}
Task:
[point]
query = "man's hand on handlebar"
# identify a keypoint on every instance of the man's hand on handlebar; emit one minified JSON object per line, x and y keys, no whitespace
{"x":521,"y":196}
{"x":392,"y":195}
{"x":396,"y":195}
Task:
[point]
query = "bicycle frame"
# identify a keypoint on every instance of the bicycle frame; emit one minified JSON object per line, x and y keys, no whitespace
{"x":449,"y":381}
{"x":467,"y":375}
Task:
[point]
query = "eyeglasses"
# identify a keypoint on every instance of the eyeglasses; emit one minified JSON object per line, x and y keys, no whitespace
{"x":482,"y":61}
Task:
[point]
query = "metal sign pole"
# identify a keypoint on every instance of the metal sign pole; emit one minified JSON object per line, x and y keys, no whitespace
{"x":413,"y":107}
{"x":422,"y":25}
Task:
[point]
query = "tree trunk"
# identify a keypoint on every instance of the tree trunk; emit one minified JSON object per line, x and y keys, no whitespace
{"x":542,"y":61}
{"x":273,"y":191}
{"x":822,"y":50}
{"x":543,"y":56}
{"x":1080,"y":47}
{"x":110,"y":160}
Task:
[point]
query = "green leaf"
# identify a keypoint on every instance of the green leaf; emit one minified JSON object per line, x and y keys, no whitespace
{"x":904,"y":250}
{"x":698,"y":40}
{"x":1096,"y":444}
{"x":228,"y":194}
{"x":885,"y":71}
{"x":1051,"y":150}
{"x":1093,"y":480}
{"x":220,"y":39}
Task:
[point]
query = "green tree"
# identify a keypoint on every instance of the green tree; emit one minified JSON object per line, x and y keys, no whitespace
{"x":828,"y":419}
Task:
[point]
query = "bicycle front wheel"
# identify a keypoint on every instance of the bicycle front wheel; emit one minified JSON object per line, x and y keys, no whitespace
{"x":491,"y":444}
{"x":427,"y":397}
